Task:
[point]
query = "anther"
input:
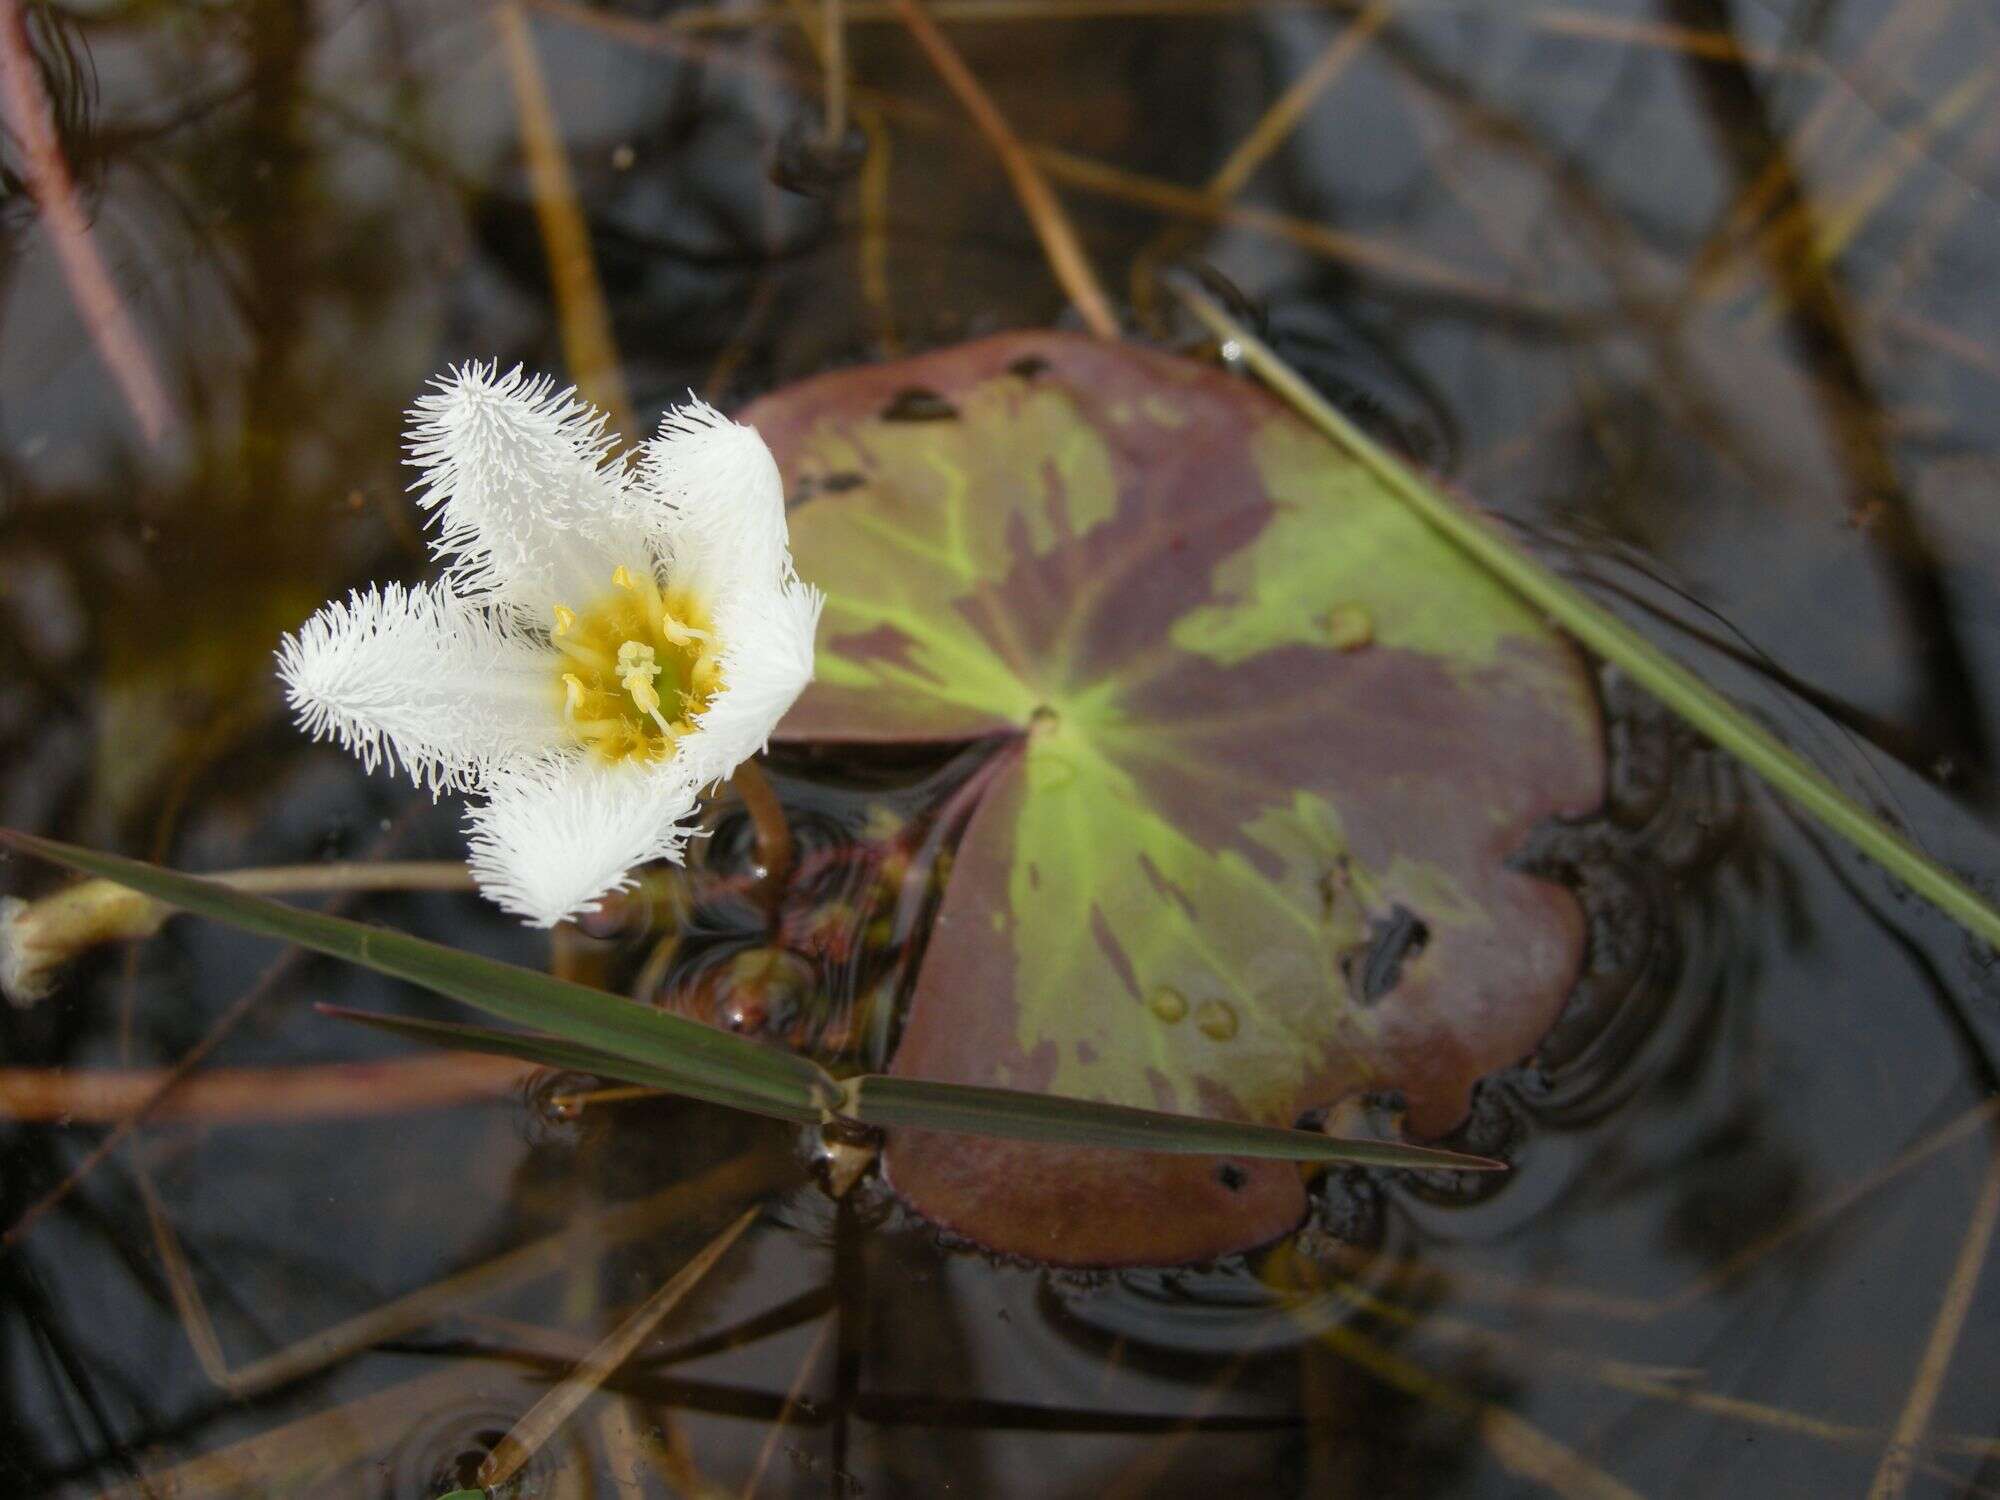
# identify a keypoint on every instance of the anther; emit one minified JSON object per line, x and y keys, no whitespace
{"x":565,"y":619}
{"x":678,"y":633}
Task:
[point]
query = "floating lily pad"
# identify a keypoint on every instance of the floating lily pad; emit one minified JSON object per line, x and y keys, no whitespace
{"x":1263,"y":747}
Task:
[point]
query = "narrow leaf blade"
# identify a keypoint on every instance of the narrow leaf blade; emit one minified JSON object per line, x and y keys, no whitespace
{"x":879,"y":1099}
{"x":592,"y":1018}
{"x":554,"y":1052}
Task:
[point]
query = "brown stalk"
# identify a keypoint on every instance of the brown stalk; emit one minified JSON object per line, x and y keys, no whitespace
{"x":1044,"y":210}
{"x":1561,"y":20}
{"x":1490,"y":1289}
{"x":792,"y":1395}
{"x":747,"y":1176}
{"x":1396,"y":263}
{"x":174,"y":1078}
{"x":1517,"y":1445}
{"x":326,"y":1091}
{"x":1892,"y":1477}
{"x":588,"y":347}
{"x":1272,"y":129}
{"x":547,"y":1415}
{"x":24,"y":105}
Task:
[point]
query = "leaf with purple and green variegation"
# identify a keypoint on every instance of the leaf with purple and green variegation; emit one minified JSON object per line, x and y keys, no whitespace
{"x":1262,"y":749}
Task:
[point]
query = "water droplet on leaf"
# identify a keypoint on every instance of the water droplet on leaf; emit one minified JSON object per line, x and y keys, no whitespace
{"x":1216,"y":1020}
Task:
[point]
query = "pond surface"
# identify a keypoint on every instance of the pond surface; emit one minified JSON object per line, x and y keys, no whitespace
{"x":1701,"y":297}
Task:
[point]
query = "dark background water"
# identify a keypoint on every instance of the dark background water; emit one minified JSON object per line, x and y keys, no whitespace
{"x":1700,"y":294}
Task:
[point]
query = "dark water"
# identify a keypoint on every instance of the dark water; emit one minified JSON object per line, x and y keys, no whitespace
{"x":1700,"y":295}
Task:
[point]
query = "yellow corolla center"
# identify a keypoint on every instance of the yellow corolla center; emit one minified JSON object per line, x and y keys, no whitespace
{"x":639,"y":667}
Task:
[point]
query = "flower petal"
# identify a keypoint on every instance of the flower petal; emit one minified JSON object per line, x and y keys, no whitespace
{"x":711,"y":492}
{"x":563,"y":832}
{"x":530,"y":507}
{"x":767,"y":659}
{"x":421,"y":677}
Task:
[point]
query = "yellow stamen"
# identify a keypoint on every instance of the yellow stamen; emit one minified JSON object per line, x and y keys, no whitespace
{"x":642,"y":662}
{"x":679,"y":633}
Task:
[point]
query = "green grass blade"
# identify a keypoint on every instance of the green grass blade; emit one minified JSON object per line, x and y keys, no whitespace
{"x":554,"y":1052}
{"x":599,"y":1033}
{"x":1610,"y":637}
{"x":697,"y":1054}
{"x":915,"y":1103}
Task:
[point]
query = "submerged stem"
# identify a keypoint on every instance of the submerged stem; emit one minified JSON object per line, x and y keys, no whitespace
{"x":767,"y":816}
{"x":1788,"y":773}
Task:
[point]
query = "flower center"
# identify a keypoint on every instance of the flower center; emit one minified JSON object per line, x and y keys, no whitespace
{"x":638,"y":667}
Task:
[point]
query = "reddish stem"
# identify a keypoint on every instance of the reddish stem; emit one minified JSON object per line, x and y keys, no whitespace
{"x":24,"y":104}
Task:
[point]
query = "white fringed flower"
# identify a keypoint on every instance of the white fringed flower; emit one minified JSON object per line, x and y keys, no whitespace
{"x":607,"y":641}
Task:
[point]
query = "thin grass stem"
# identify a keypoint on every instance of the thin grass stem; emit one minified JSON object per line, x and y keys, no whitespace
{"x":1038,"y":200}
{"x":547,"y":1415}
{"x":1708,"y":711}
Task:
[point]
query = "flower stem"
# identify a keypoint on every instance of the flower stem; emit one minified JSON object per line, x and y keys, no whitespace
{"x":1715,"y":716}
{"x":767,"y":817}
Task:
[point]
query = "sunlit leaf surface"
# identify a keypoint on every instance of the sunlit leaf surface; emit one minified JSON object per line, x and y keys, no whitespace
{"x":1262,"y":750}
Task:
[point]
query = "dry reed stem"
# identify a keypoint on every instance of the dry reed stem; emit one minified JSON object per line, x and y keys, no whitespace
{"x":1398,"y":263}
{"x":1916,"y":256}
{"x":547,"y":1415}
{"x":304,"y":1449}
{"x":175,"y":1077}
{"x":1676,"y":1386}
{"x":588,"y":347}
{"x":280,"y":1095}
{"x":747,"y":1176}
{"x":793,"y":1392}
{"x":1271,"y":130}
{"x":1815,"y":231}
{"x":1395,"y":262}
{"x":30,"y":118}
{"x":1767,"y":191}
{"x":1067,"y":261}
{"x":1278,"y":122}
{"x":1517,"y":1445}
{"x":1892,"y":1477}
{"x":1585,"y":25}
{"x":873,"y":249}
{"x":1488,"y":1288}
{"x":1839,"y":1202}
